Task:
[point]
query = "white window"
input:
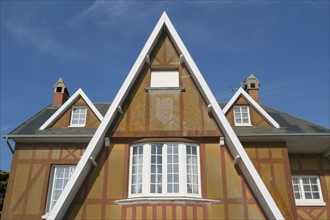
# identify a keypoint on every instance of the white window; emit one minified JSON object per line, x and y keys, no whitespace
{"x":60,"y":175}
{"x":242,"y":116}
{"x":307,"y":190}
{"x":78,"y":116}
{"x":164,"y":169}
{"x":164,"y":79}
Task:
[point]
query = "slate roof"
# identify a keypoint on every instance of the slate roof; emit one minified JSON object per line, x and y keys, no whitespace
{"x":32,"y":125}
{"x":289,"y":125}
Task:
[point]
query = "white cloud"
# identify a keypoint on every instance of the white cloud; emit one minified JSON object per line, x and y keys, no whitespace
{"x":102,"y":12}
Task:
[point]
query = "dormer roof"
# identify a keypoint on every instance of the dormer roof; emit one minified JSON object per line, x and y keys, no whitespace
{"x":79,"y":93}
{"x":241,"y":93}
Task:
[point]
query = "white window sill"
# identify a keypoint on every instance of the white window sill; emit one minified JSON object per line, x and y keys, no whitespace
{"x":310,"y":203}
{"x":77,"y":126}
{"x":243,"y":125}
{"x":166,"y":200}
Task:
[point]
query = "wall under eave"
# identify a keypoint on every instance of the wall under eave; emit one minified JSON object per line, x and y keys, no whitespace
{"x":26,"y":194}
{"x":272,"y":163}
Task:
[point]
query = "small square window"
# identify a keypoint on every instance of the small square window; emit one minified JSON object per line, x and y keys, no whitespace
{"x":242,"y":116}
{"x":307,"y":191}
{"x":78,"y":116}
{"x":164,"y":79}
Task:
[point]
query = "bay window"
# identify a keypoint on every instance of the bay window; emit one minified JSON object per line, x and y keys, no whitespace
{"x":164,"y":169}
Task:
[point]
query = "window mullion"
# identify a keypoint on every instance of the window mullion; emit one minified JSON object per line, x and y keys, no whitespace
{"x":164,"y":168}
{"x":182,"y":170}
{"x":146,"y":169}
{"x":302,"y":188}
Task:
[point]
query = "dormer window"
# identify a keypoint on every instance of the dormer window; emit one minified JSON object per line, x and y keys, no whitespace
{"x":242,"y":116}
{"x":164,"y":79}
{"x":78,"y":117}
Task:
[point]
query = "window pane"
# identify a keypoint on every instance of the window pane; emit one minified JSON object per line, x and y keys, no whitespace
{"x":316,"y":196}
{"x":192,"y":165}
{"x":172,"y":168}
{"x":136,"y":175}
{"x":156,"y":169}
{"x":308,"y":195}
{"x":313,"y":180}
{"x":307,"y":188}
{"x":297,"y":196}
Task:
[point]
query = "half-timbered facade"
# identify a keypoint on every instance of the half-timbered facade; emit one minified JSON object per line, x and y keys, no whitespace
{"x":166,"y":149}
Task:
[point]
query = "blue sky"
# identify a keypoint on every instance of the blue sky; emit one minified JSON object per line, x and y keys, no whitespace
{"x":93,"y":45}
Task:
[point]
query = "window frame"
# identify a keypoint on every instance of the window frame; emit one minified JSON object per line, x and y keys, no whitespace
{"x":146,"y":171}
{"x":51,"y":183}
{"x":303,"y":201}
{"x":241,"y":115}
{"x":71,"y":118}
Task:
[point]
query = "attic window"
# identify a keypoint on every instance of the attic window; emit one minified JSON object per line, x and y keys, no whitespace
{"x":253,"y":85}
{"x":164,"y":79}
{"x":78,"y":117}
{"x":242,"y":116}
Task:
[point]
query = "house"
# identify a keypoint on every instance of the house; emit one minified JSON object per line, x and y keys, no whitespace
{"x":166,"y":149}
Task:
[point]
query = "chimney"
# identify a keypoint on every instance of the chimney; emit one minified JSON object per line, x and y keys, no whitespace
{"x":61,"y":94}
{"x":252,"y":85}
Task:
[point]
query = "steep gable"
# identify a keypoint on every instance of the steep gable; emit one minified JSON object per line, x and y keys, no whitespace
{"x":154,"y":112}
{"x":235,"y":147}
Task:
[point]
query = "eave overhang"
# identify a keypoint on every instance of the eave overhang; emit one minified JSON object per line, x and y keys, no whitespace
{"x":49,"y":138}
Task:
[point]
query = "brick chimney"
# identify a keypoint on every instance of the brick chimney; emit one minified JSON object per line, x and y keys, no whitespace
{"x":61,"y":94}
{"x":252,"y":86}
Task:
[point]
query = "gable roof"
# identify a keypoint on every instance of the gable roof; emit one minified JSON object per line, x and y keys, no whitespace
{"x":234,"y":145}
{"x":240,"y":92}
{"x":68,"y":104}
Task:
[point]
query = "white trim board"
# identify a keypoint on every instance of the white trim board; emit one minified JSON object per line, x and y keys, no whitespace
{"x":258,"y":187}
{"x":253,"y":103}
{"x":68,"y":104}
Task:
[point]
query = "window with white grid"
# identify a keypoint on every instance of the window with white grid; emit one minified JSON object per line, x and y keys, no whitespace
{"x":156,"y":169}
{"x":137,"y":154}
{"x":168,"y":169}
{"x":192,"y":170}
{"x":78,"y":116}
{"x":242,"y":116}
{"x":60,"y":175}
{"x":307,"y":190}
